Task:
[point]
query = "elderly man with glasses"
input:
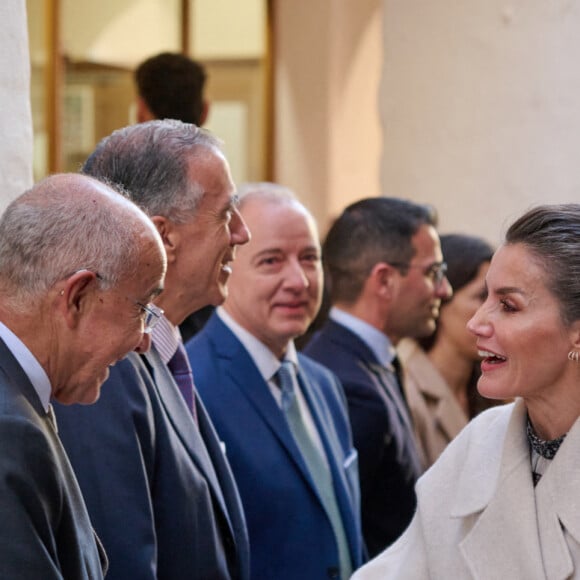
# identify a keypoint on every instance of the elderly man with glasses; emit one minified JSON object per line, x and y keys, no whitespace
{"x":77,"y":263}
{"x":155,"y":476}
{"x":386,"y":280}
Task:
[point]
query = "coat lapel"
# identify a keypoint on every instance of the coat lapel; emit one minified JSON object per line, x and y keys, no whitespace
{"x":244,"y":374}
{"x":331,"y":444}
{"x":496,"y":499}
{"x":559,"y":510}
{"x":183,"y":423}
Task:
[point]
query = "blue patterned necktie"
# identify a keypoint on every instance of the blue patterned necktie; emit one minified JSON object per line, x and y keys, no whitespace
{"x":317,"y":466}
{"x":181,"y":371}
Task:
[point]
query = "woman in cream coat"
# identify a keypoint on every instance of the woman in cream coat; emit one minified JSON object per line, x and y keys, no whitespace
{"x":503,"y":500}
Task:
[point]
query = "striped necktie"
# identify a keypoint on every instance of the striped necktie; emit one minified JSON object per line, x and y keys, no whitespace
{"x":181,"y":371}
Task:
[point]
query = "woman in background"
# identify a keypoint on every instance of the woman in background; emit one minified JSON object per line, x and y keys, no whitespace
{"x":441,"y":371}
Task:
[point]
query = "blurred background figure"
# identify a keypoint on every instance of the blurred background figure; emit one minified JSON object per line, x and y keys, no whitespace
{"x":441,"y":370}
{"x":171,"y":86}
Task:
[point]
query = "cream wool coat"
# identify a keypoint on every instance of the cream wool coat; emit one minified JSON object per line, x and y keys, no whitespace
{"x":479,"y":516}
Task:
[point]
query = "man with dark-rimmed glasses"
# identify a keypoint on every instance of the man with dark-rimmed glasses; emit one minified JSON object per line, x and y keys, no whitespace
{"x":386,"y":279}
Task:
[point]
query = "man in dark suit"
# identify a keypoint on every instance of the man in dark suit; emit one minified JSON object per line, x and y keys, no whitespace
{"x":281,"y":416}
{"x":386,"y":281}
{"x":166,"y":505}
{"x":72,"y":252}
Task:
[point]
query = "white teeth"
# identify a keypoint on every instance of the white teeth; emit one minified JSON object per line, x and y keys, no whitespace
{"x":227,"y":268}
{"x":489,"y":354}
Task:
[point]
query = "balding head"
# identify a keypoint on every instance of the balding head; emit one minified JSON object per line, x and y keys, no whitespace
{"x":63,"y":224}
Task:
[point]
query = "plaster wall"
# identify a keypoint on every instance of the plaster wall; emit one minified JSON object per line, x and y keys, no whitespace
{"x":327,"y":134}
{"x":480,"y":108}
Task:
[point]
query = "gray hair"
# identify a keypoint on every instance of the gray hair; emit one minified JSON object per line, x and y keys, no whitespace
{"x":552,"y":234}
{"x":264,"y":190}
{"x":151,"y":161}
{"x":63,"y":224}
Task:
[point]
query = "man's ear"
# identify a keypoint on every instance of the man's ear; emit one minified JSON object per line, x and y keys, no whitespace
{"x":143,"y":111}
{"x":384,"y":280}
{"x":76,"y":295}
{"x":169,"y":235}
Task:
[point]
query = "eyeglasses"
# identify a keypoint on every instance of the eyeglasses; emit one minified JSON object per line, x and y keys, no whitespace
{"x":153,"y":315}
{"x":436,"y":271}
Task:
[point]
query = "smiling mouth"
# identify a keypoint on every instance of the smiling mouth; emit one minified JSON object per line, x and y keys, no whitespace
{"x":490,"y":357}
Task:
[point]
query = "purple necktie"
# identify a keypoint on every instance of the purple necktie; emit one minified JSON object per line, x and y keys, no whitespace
{"x":181,"y":371}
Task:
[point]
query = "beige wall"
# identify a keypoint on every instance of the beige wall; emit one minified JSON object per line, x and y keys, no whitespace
{"x":327,"y":130}
{"x":15,"y":120}
{"x":481,"y":107}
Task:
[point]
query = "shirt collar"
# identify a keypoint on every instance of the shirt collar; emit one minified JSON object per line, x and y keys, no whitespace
{"x":166,"y":338}
{"x":262,"y":356}
{"x":30,"y":365}
{"x":376,"y":340}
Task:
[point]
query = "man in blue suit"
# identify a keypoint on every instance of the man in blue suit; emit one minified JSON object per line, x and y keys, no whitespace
{"x":386,"y":280}
{"x":71,"y":253}
{"x":281,"y":416}
{"x":151,"y":467}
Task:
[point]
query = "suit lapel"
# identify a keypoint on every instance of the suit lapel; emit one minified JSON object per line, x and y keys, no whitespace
{"x":331,"y":444}
{"x":244,"y":374}
{"x":182,"y":421}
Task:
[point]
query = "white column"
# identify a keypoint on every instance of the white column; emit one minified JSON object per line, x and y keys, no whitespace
{"x":15,"y":118}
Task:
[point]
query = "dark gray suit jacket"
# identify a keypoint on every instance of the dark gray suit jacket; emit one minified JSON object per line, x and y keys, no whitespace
{"x":159,"y":490}
{"x":45,"y":530}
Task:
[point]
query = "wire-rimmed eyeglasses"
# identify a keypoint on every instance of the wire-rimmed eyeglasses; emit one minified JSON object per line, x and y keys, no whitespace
{"x":153,"y":315}
{"x":436,"y":271}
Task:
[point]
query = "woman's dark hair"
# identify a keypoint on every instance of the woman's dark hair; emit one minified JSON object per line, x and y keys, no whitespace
{"x":552,"y":234}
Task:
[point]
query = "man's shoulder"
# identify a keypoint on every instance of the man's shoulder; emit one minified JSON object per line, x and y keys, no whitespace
{"x":126,"y":393}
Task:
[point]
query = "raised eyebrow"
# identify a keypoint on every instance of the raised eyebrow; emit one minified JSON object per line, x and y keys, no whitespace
{"x":269,"y":252}
{"x":314,"y":249}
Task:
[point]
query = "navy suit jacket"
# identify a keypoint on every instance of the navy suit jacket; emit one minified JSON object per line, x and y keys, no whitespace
{"x":45,"y":530}
{"x":290,"y":535}
{"x":389,"y":461}
{"x":159,"y":490}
